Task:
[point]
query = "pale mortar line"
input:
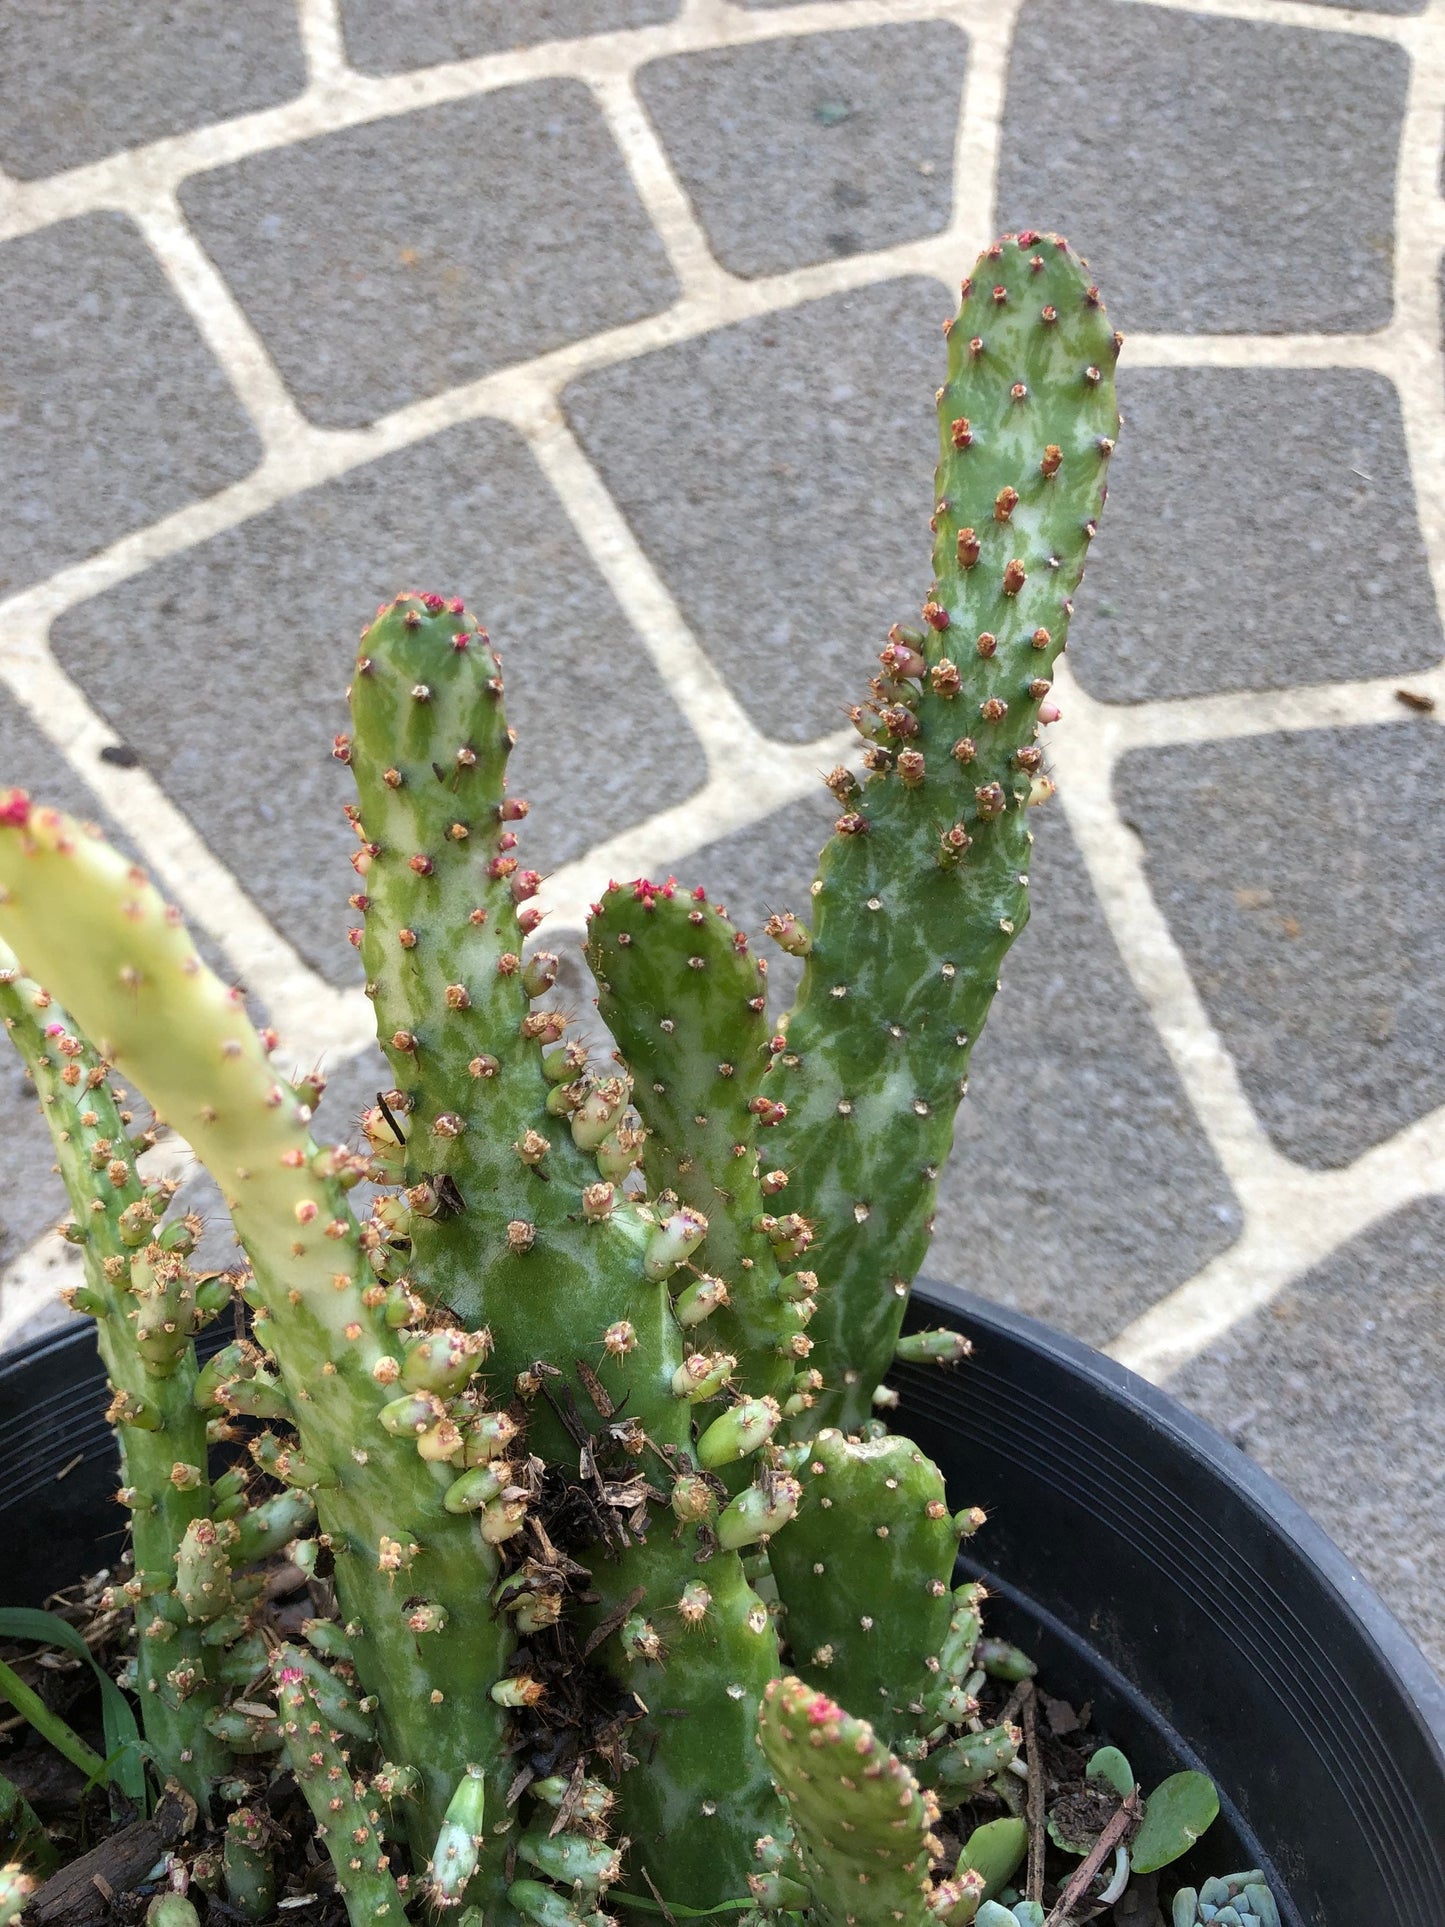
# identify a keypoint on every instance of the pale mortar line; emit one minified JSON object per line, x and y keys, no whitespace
{"x":714,"y":714}
{"x":1246,"y":712}
{"x":223,"y":323}
{"x":1379,"y":348}
{"x":322,"y":44}
{"x":320,"y":455}
{"x":1296,"y":1223}
{"x":990,"y":26}
{"x":731,"y":800}
{"x":1418,"y":374}
{"x":1298,"y":13}
{"x":663,"y":196}
{"x":294,"y":996}
{"x":1082,"y":752}
{"x":350,"y":99}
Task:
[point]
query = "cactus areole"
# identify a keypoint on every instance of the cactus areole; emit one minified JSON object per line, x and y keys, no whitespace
{"x":639,"y":1608}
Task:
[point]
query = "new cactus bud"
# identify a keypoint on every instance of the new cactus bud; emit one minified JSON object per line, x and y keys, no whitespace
{"x":698,"y":1301}
{"x":971,"y":1761}
{"x":759,"y":1511}
{"x":702,"y":1375}
{"x":585,"y":1866}
{"x":442,"y":1361}
{"x":247,"y":1865}
{"x":672,"y":1241}
{"x":693,"y":1499}
{"x":933,"y":1347}
{"x":790,"y":935}
{"x":454,"y":1859}
{"x":639,"y":1639}
{"x":595,"y":1117}
{"x":744,"y":1429}
{"x":522,"y":1690}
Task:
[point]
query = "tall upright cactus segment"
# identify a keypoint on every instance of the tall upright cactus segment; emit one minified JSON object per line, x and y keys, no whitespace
{"x":686,"y":1001}
{"x":925,"y":884}
{"x":861,"y":1822}
{"x":441,"y":939}
{"x":94,"y":929}
{"x":512,"y":1224}
{"x":144,"y":1304}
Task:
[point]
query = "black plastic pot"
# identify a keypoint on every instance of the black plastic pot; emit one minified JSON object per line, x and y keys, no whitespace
{"x":1149,"y":1567}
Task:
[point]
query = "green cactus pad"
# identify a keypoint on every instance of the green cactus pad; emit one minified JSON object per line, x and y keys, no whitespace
{"x":925,"y":885}
{"x":91,"y":926}
{"x":864,"y":1572}
{"x":685,"y":1000}
{"x":860,"y":1820}
{"x":441,"y":940}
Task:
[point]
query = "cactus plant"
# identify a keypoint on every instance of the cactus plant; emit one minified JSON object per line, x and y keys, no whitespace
{"x":638,"y":1605}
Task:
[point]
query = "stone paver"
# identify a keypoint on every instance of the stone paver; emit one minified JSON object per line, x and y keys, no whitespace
{"x":384,"y":263}
{"x":738,"y":458}
{"x":112,"y":411}
{"x":1081,"y":1187}
{"x":766,"y":435}
{"x":790,"y":150}
{"x":281,"y":600}
{"x":388,"y":36}
{"x":1304,"y":878}
{"x":81,"y":78}
{"x":1222,"y":176}
{"x":1261,"y":532}
{"x":1335,"y":1389}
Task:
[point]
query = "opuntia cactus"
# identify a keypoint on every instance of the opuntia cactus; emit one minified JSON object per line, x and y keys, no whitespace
{"x":638,"y":1607}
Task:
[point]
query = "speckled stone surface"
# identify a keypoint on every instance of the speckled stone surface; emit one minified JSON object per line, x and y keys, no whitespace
{"x":1222,"y":176}
{"x":282,"y":600}
{"x":737,"y":460}
{"x":1303,"y":876}
{"x":81,"y":78}
{"x":790,"y":151}
{"x":385,"y":263}
{"x":1261,"y":532}
{"x":112,"y":411}
{"x":388,"y":36}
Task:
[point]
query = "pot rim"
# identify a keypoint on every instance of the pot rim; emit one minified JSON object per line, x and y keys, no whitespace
{"x":1264,"y":1495}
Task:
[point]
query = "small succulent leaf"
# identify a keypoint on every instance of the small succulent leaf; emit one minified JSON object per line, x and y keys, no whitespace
{"x":1110,"y":1765}
{"x":1178,"y":1811}
{"x":996,"y":1851}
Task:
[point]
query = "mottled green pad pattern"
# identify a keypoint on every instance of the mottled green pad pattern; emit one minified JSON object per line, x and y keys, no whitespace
{"x":685,"y":1000}
{"x":347,"y":1811}
{"x":440,"y":937}
{"x":864,"y":1572}
{"x":176,"y":1670}
{"x":859,"y":1818}
{"x":925,"y":885}
{"x":515,"y":1249}
{"x":90,"y":925}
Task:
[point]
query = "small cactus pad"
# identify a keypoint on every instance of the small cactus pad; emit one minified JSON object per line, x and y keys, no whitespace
{"x":861,"y":1823}
{"x":864,"y":1571}
{"x":347,"y":1812}
{"x":684,"y":998}
{"x":925,"y":884}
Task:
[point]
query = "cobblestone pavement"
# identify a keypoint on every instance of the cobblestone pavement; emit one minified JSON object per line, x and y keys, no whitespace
{"x":622,"y":317}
